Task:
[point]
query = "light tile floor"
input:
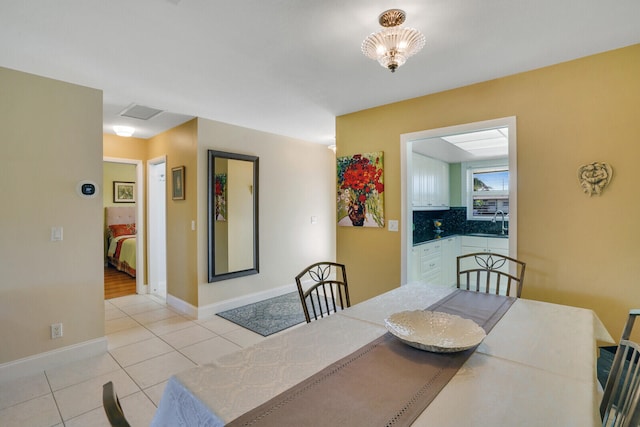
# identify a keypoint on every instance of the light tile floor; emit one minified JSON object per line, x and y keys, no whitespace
{"x":147,"y":343}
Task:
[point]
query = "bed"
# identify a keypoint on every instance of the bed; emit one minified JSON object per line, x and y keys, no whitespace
{"x":120,"y":238}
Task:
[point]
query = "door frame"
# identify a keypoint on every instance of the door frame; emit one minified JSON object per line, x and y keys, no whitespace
{"x":406,"y":181}
{"x":141,"y":288}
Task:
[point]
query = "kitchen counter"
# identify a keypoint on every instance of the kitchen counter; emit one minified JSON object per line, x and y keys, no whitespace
{"x":444,"y":235}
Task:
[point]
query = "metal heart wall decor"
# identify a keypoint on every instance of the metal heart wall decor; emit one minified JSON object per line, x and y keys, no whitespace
{"x":594,"y":177}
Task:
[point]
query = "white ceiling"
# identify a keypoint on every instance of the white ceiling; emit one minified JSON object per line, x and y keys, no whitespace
{"x":291,"y":66}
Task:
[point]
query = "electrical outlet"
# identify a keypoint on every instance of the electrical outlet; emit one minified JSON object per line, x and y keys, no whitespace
{"x":56,"y":330}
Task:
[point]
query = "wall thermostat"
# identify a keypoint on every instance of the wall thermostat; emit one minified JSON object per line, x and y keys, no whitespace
{"x":87,"y":189}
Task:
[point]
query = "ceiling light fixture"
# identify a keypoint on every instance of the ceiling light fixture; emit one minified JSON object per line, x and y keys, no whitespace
{"x":124,"y":130}
{"x":392,"y":45}
{"x":490,"y":142}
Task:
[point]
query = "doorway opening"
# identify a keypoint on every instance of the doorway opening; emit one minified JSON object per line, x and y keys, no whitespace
{"x":140,"y":286}
{"x":434,"y":143}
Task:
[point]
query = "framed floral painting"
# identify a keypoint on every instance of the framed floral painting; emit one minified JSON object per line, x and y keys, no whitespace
{"x":361,"y":190}
{"x":221,"y":196}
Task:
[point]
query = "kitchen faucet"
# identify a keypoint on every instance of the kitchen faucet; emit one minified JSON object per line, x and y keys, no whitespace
{"x":494,"y":220}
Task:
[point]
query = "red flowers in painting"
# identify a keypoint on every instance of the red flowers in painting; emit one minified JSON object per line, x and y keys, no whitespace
{"x":360,"y":188}
{"x":362,"y":176}
{"x":221,"y":196}
{"x":220,"y":184}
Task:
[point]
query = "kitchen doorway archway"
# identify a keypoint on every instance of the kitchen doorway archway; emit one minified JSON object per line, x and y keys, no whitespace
{"x":406,"y":145}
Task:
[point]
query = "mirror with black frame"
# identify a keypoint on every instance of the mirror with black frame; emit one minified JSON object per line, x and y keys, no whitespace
{"x":232,"y":215}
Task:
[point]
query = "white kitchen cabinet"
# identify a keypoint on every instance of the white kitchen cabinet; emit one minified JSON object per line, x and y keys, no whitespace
{"x":431,"y":263}
{"x":414,"y":268}
{"x":427,"y":261}
{"x":430,"y":183}
{"x":471,"y":244}
{"x":497,"y":245}
{"x":417,"y":173}
{"x":450,"y":250}
{"x":435,"y":261}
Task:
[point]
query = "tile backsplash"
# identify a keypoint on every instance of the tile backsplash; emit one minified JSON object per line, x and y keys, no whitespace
{"x":454,"y":221}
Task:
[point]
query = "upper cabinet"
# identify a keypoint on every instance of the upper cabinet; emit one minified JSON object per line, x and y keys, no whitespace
{"x":430,"y":183}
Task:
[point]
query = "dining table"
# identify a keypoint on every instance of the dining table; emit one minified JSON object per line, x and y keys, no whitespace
{"x":535,"y":367}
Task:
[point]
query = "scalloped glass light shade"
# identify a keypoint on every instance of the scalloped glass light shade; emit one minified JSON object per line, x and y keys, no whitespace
{"x":392,"y":46}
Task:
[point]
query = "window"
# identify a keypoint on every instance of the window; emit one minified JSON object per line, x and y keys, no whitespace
{"x":488,"y":191}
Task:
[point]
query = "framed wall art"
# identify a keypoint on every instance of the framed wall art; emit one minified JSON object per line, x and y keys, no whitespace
{"x":177,"y":179}
{"x":361,"y":190}
{"x":221,"y":196}
{"x":124,"y":192}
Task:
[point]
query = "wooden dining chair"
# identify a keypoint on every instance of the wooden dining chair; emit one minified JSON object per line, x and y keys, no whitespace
{"x":490,"y":273}
{"x":112,"y":407}
{"x":619,"y":406}
{"x":323,"y":289}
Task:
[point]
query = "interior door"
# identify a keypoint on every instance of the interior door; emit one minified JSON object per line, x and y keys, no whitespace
{"x":157,"y":172}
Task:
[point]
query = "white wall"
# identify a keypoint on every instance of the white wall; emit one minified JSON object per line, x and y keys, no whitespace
{"x":51,"y":139}
{"x":296,"y":182}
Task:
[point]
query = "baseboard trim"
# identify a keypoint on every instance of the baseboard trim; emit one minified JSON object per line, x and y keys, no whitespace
{"x":40,"y":362}
{"x":182,"y":306}
{"x":217,"y":307}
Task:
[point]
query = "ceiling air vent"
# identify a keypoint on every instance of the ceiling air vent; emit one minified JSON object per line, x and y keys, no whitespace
{"x":140,"y":112}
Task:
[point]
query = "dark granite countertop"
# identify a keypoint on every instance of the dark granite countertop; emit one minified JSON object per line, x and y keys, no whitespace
{"x":445,"y":235}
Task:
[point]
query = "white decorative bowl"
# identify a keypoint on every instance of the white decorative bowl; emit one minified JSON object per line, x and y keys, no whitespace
{"x":435,"y":331}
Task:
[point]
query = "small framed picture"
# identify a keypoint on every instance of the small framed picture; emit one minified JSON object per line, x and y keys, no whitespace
{"x":177,"y":178}
{"x":124,"y":192}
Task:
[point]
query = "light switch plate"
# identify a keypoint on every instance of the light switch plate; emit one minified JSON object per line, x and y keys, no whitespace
{"x":56,"y":234}
{"x":393,"y":225}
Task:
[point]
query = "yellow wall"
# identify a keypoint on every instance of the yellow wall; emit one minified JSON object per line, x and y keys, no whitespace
{"x":579,"y":250}
{"x":124,"y":147}
{"x":51,"y":140}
